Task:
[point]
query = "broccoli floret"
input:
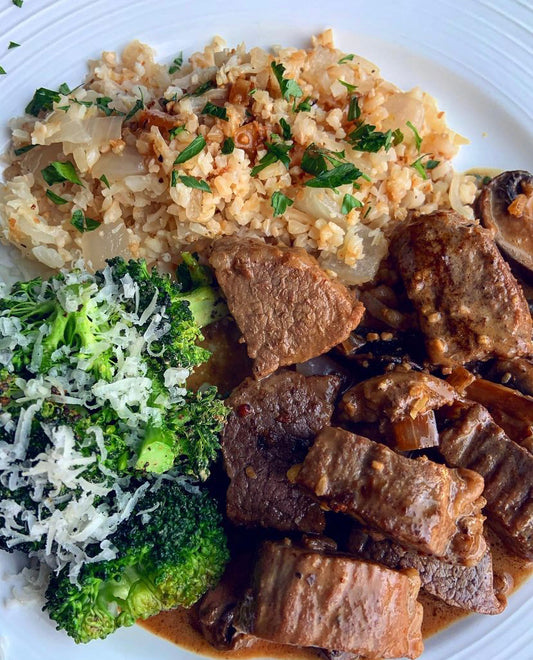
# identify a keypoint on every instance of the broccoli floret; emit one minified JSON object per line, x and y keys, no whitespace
{"x":188,"y":439}
{"x":168,"y":562}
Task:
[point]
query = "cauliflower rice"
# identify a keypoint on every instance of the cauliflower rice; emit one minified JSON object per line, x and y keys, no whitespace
{"x":124,"y":128}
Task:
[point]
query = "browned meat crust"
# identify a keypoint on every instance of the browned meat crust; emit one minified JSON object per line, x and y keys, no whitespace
{"x":286,"y":307}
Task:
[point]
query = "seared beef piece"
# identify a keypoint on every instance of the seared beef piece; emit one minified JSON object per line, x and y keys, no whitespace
{"x":395,"y":395}
{"x":286,"y":307}
{"x":272,"y":424}
{"x":216,"y":610}
{"x":472,"y":440}
{"x":421,"y":504}
{"x":468,"y":587}
{"x":305,"y":598}
{"x":517,"y":373}
{"x":469,"y":305}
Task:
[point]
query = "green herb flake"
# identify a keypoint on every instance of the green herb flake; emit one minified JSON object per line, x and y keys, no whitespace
{"x":315,"y":159}
{"x":280,"y":203}
{"x":58,"y":172}
{"x":349,"y":202}
{"x":338,"y":176}
{"x":366,"y":138}
{"x":252,"y":91}
{"x":43,"y":99}
{"x":228,"y":146}
{"x":65,"y":108}
{"x":397,"y":137}
{"x":13,"y":44}
{"x":285,"y":129}
{"x":346,"y":58}
{"x":288,"y":86}
{"x":82,"y":223}
{"x":139,"y":105}
{"x":215,"y":111}
{"x":176,"y":64}
{"x":105,"y":181}
{"x":64,"y":89}
{"x":367,"y":212}
{"x":192,"y":182}
{"x":18,"y":3}
{"x":418,"y":165}
{"x":276,"y":151}
{"x":2,"y":71}
{"x":176,"y":131}
{"x":87,"y":104}
{"x":349,"y":87}
{"x":191,"y":150}
{"x":432,"y":164}
{"x":354,"y":111}
{"x":418,"y":139}
{"x":55,"y":198}
{"x":102,"y":103}
{"x":202,"y":89}
{"x":303,"y":106}
{"x":23,"y":150}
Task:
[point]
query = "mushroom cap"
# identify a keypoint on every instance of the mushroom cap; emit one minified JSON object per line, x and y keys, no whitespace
{"x":505,"y":207}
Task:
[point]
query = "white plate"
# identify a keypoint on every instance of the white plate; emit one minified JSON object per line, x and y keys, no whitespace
{"x":474,"y":56}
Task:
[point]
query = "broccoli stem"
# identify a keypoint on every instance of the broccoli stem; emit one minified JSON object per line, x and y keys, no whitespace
{"x":156,"y":453}
{"x":206,"y":305}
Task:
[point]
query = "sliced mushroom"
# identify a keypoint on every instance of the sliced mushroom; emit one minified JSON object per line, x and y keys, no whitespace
{"x":506,"y":208}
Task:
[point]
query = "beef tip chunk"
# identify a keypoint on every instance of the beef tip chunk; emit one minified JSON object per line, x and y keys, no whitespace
{"x":395,"y":395}
{"x":471,"y":439}
{"x":216,"y":610}
{"x":419,"y":503}
{"x":469,"y":305}
{"x":272,"y":424}
{"x":517,"y":373}
{"x":469,"y":587}
{"x":305,"y":598}
{"x":286,"y":307}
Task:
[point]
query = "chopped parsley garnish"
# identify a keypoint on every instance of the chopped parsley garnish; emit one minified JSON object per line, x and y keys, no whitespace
{"x":252,"y":91}
{"x":397,"y":137}
{"x":354,"y":111}
{"x":275,"y":151}
{"x":87,"y":104}
{"x":285,"y":129}
{"x":13,"y":44}
{"x":314,"y":159}
{"x":65,"y":108}
{"x":105,"y":181}
{"x":202,"y":89}
{"x":176,"y":64}
{"x":43,"y":99}
{"x":191,"y":150}
{"x":366,"y":138}
{"x":58,"y":172}
{"x":18,"y":3}
{"x":288,"y":86}
{"x":346,"y":58}
{"x":367,"y":212}
{"x":139,"y":105}
{"x":418,"y":139}
{"x":2,"y":71}
{"x":349,"y":202}
{"x":303,"y":106}
{"x":176,"y":131}
{"x":338,"y":176}
{"x":349,"y":87}
{"x":228,"y":146}
{"x":23,"y":150}
{"x":190,"y":182}
{"x":55,"y":198}
{"x":280,"y":203}
{"x":432,"y":164}
{"x":64,"y":89}
{"x":82,"y":223}
{"x":419,"y":166}
{"x":215,"y":111}
{"x":102,"y":103}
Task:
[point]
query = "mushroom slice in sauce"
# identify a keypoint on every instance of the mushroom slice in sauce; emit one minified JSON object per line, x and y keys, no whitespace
{"x":506,"y":208}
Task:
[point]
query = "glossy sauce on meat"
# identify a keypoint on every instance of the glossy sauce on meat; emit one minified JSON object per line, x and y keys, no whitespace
{"x":229,"y":367}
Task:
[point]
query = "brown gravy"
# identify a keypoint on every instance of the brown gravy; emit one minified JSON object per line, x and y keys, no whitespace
{"x":228,"y":366}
